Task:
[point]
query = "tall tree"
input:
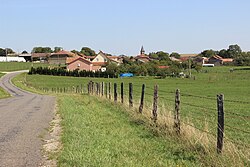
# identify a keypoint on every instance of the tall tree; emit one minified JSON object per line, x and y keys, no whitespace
{"x":24,"y":52}
{"x":42,"y":50}
{"x":2,"y":52}
{"x":208,"y":53}
{"x":87,"y":51}
{"x":175,"y":55}
{"x":57,"y":49}
{"x":234,"y":51}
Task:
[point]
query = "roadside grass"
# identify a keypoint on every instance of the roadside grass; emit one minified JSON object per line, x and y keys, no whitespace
{"x":98,"y":133}
{"x":3,"y":93}
{"x":15,"y":66}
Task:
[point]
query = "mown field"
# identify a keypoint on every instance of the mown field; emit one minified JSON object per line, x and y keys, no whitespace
{"x":15,"y":66}
{"x":198,"y":99}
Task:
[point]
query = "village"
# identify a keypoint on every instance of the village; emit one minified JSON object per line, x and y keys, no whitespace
{"x":98,"y":62}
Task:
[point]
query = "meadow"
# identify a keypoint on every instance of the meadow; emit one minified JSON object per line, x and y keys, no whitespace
{"x":15,"y":66}
{"x":198,"y":101}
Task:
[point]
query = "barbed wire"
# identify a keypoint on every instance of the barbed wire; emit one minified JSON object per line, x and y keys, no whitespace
{"x":238,"y":129}
{"x":199,"y":128}
{"x":238,"y":143}
{"x":239,"y":115}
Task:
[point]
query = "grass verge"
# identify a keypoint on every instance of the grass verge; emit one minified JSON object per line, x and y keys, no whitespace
{"x":98,"y":133}
{"x":3,"y":93}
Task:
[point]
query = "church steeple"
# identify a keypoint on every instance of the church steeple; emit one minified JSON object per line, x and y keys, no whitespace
{"x":142,"y":51}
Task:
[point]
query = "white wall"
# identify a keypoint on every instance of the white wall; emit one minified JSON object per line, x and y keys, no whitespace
{"x":11,"y":59}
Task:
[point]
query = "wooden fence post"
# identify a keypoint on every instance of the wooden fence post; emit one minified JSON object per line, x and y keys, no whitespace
{"x":109,"y":90}
{"x":92,"y":87}
{"x":177,"y":112}
{"x":155,"y":104}
{"x":106,"y":90}
{"x":142,"y":98}
{"x":102,"y":88}
{"x":96,"y":88}
{"x":115,"y":92}
{"x":130,"y":95}
{"x":122,"y":92}
{"x":220,"y":129}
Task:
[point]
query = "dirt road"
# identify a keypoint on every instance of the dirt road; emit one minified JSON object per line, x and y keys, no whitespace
{"x":23,"y":120}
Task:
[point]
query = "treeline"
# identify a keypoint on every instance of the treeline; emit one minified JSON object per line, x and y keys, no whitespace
{"x":75,"y":73}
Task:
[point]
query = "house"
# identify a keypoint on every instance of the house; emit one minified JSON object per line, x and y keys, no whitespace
{"x":200,"y":60}
{"x":60,"y":57}
{"x":186,"y":57}
{"x":26,"y":56}
{"x":174,"y":59}
{"x":216,"y":60}
{"x":80,"y":63}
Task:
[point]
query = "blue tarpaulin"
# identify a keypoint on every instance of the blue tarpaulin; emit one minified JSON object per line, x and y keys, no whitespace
{"x":126,"y":75}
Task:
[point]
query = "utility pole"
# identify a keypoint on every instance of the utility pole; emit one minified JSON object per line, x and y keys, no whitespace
{"x":189,"y":64}
{"x":6,"y":53}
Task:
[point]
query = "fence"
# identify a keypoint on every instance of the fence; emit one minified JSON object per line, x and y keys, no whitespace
{"x":179,"y":101}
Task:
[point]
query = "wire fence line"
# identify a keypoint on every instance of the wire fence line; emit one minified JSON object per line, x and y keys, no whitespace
{"x":210,"y":114}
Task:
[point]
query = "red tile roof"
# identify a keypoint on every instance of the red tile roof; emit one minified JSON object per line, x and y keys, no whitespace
{"x":163,"y":67}
{"x":227,"y":60}
{"x":64,"y":52}
{"x":80,"y":59}
{"x":99,"y":63}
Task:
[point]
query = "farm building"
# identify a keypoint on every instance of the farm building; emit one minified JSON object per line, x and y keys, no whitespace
{"x":12,"y":59}
{"x":41,"y":57}
{"x":60,"y":57}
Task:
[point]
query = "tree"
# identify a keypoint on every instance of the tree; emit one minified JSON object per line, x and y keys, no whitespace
{"x":223,"y":53}
{"x":42,"y":50}
{"x":208,"y":53}
{"x":24,"y":52}
{"x":242,"y":59}
{"x":153,"y":55}
{"x":2,"y":52}
{"x":163,"y":55}
{"x":175,"y":55}
{"x":87,"y":51}
{"x":57,"y":49}
{"x":234,"y":51}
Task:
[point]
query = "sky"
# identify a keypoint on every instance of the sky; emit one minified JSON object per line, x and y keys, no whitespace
{"x":123,"y":26}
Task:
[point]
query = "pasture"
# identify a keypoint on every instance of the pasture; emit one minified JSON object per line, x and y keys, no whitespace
{"x":16,"y":66}
{"x":198,"y":98}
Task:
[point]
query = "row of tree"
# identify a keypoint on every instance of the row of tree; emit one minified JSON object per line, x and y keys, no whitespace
{"x":75,"y":73}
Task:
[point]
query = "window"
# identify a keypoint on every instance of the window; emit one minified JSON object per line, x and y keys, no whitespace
{"x":78,"y":65}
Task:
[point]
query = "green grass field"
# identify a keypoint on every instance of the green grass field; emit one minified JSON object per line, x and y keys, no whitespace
{"x":198,"y":99}
{"x":97,"y":133}
{"x":3,"y":93}
{"x":15,"y":66}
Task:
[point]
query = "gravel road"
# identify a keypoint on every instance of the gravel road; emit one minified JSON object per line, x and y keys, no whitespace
{"x":23,"y":120}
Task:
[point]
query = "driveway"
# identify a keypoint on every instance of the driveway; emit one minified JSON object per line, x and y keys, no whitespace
{"x":23,"y":120}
